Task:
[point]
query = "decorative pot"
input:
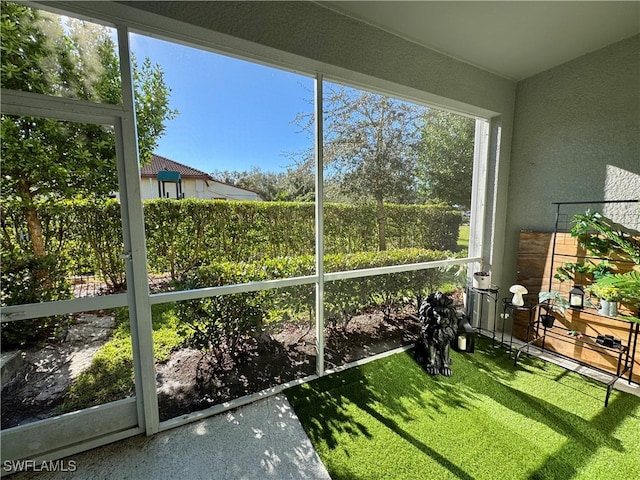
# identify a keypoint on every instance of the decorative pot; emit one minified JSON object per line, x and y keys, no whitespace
{"x":608,"y":307}
{"x":482,"y":280}
{"x":603,"y":309}
{"x":547,"y":320}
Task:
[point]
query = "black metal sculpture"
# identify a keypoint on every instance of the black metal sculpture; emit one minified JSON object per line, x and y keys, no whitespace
{"x":439,"y":326}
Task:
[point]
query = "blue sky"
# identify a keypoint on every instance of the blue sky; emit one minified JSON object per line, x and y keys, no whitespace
{"x":234,"y":114}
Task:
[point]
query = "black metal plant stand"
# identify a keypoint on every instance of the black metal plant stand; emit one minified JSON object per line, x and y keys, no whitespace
{"x":509,"y":311}
{"x":489,"y":294}
{"x":623,"y":353}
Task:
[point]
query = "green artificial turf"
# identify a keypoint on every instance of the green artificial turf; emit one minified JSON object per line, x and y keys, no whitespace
{"x":490,"y":420}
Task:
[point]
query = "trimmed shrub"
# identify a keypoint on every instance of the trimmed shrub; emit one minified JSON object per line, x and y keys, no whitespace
{"x":220,"y":323}
{"x":185,"y":234}
{"x":97,"y":240}
{"x":347,"y":298}
{"x":27,"y":279}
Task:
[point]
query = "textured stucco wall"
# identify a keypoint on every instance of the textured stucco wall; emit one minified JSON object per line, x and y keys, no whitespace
{"x":315,"y":33}
{"x":576,"y":138}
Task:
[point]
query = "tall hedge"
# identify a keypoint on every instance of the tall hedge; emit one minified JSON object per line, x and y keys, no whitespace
{"x":185,"y":234}
{"x":182,"y":234}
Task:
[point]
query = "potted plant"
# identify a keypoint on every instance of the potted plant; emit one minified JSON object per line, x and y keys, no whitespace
{"x":578,"y":272}
{"x":482,"y":280}
{"x":610,"y":238}
{"x":609,"y":296}
{"x":627,"y":286}
{"x":551,"y":302}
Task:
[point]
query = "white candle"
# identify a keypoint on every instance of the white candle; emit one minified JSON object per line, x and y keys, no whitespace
{"x":462,"y":343}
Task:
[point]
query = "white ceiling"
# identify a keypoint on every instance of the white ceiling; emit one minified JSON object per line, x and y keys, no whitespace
{"x":515,"y":39}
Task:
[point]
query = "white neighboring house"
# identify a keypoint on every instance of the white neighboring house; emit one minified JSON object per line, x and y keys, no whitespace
{"x":180,"y":181}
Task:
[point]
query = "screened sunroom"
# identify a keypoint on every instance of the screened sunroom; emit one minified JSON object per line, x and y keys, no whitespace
{"x":422,"y":139}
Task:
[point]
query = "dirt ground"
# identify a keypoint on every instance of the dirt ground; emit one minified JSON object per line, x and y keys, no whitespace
{"x":38,"y":387}
{"x":190,"y":380}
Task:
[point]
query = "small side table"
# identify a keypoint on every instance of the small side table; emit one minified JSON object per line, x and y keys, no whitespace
{"x":490,"y":294}
{"x":508,"y":311}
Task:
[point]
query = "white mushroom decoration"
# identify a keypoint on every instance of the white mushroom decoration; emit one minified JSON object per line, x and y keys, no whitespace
{"x":518,"y":291}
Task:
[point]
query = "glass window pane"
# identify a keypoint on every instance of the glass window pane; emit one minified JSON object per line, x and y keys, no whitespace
{"x":382,"y":209}
{"x":46,"y":53}
{"x":61,"y":239}
{"x":230,"y":184}
{"x":86,"y":361}
{"x":397,"y":175}
{"x":61,"y":229}
{"x":370,"y":315}
{"x":216,"y":349}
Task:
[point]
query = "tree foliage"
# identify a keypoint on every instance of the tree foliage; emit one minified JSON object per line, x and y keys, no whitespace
{"x":370,"y":144}
{"x":370,"y":148}
{"x":44,"y":160}
{"x":445,"y":165}
{"x":296,"y":184}
{"x":152,"y":97}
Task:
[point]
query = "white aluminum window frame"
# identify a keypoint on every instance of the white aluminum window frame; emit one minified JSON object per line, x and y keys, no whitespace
{"x":118,"y":424}
{"x":138,"y":297}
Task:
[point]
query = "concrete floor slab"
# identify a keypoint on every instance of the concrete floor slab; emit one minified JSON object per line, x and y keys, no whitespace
{"x":263,"y":440}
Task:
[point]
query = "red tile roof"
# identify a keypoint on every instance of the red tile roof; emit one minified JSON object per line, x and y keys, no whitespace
{"x":159,"y":163}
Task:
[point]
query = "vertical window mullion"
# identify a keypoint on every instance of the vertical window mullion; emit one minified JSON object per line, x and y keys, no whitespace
{"x":319,"y":136}
{"x":479,"y":192}
{"x":136,"y":256}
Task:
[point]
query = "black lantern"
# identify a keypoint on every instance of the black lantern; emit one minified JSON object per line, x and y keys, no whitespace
{"x":465,"y":340}
{"x":576,"y":297}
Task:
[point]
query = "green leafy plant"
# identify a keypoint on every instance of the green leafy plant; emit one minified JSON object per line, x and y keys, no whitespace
{"x":605,"y":292}
{"x":29,"y":279}
{"x":596,"y":270}
{"x":554,"y":301}
{"x":551,"y":303}
{"x":603,"y":238}
{"x":628,"y":283}
{"x":612,"y":238}
{"x":221,"y":325}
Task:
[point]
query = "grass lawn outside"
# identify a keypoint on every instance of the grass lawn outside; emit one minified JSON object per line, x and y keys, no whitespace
{"x":463,"y":237}
{"x":388,"y":419}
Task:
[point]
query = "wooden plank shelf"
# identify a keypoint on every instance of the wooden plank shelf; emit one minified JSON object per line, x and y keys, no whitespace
{"x":537,"y":262}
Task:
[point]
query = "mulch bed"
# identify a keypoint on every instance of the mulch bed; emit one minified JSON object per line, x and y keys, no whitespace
{"x":191,"y":381}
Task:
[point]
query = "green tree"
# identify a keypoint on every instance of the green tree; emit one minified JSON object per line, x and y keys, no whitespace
{"x":46,"y":160}
{"x":264,"y":183}
{"x":445,"y":164}
{"x":370,"y":148}
{"x":296,"y":184}
{"x":152,"y":97}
